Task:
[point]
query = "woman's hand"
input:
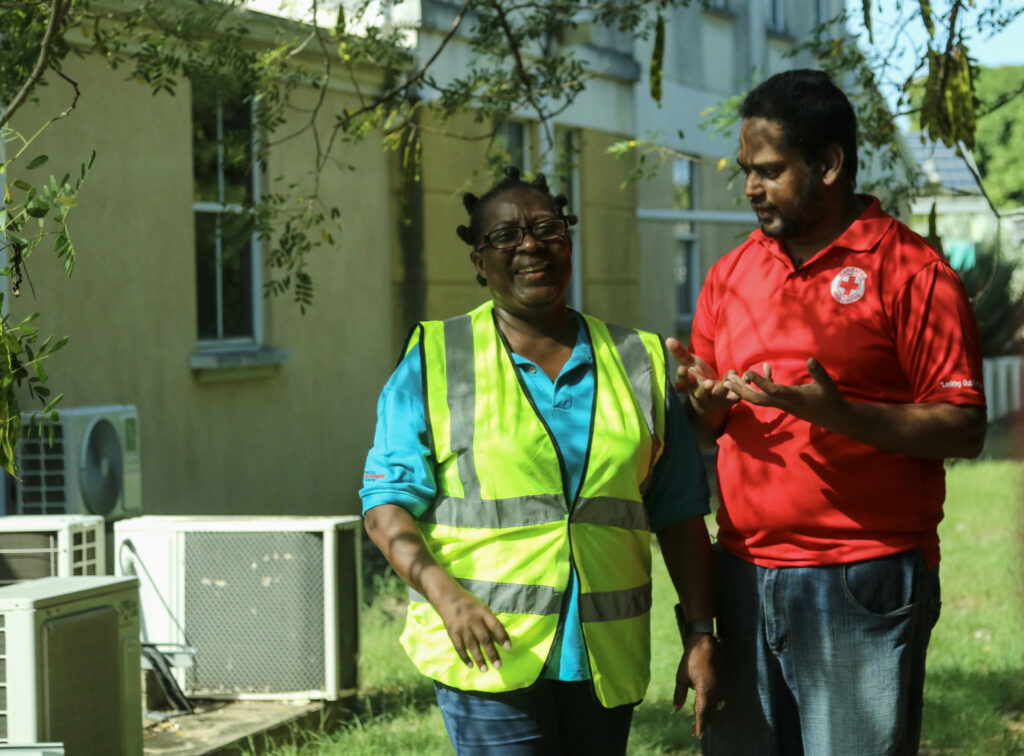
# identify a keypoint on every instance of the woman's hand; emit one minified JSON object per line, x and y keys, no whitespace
{"x":474,"y":630}
{"x":472,"y":627}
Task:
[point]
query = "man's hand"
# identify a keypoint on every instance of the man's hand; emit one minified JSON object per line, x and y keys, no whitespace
{"x":926,"y":430}
{"x":474,"y":630}
{"x":710,"y":398}
{"x":818,"y":402}
{"x":696,"y":671}
{"x":693,"y":373}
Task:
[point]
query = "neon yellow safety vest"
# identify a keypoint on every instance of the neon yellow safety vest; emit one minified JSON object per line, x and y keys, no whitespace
{"x":503,"y":524}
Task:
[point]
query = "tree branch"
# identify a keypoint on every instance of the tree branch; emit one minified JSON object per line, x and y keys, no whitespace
{"x":523,"y":74}
{"x":58,"y":10}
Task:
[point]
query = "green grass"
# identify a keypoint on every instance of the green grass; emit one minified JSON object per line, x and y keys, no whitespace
{"x":974,"y":694}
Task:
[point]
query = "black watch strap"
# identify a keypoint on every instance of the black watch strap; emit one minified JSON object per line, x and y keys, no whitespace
{"x":696,"y":627}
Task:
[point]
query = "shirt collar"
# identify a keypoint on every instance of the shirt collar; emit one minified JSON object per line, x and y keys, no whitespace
{"x":862,"y":235}
{"x":582,"y":354}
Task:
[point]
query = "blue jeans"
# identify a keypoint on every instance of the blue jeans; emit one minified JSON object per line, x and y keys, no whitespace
{"x":549,"y":717}
{"x":823,"y":661}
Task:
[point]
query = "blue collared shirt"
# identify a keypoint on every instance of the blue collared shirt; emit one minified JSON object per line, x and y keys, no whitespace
{"x":400,"y":470}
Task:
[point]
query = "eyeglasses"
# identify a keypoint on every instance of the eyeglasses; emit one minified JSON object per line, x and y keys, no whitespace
{"x":511,"y":237}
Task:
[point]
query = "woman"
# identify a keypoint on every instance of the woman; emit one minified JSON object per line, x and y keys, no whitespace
{"x":522,"y":456}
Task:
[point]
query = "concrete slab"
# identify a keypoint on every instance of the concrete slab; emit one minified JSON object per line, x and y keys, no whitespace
{"x":224,"y":726}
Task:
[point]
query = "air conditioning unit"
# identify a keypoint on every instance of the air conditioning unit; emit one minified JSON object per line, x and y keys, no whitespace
{"x":270,"y":604}
{"x":70,"y":665}
{"x":92,"y":465}
{"x":36,"y":546}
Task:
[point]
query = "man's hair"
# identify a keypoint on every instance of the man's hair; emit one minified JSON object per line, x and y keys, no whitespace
{"x":474,"y":205}
{"x":813,"y":112}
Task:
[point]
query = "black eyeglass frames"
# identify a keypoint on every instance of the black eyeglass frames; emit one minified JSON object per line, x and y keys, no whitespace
{"x":512,"y":236}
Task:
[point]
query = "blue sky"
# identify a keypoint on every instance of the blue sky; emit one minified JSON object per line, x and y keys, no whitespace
{"x":1002,"y":49}
{"x":1005,"y":48}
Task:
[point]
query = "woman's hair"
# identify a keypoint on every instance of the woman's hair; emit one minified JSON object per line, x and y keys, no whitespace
{"x":813,"y":112}
{"x":474,"y":205}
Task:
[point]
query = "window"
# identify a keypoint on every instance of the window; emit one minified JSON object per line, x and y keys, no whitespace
{"x":512,"y":144}
{"x":821,"y":12}
{"x":775,"y":15}
{"x":687,"y":252}
{"x":722,"y":5}
{"x":226,"y":184}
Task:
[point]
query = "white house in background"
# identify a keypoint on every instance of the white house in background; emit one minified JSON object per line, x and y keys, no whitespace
{"x":964,"y":217}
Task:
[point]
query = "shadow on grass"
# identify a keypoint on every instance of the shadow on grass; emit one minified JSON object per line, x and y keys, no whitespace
{"x":369,"y":705}
{"x":973,"y":712}
{"x":657,"y":730}
{"x":966,"y":712}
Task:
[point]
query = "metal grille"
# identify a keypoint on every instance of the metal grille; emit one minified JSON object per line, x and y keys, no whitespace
{"x":42,"y":489}
{"x":83,"y":553}
{"x":254,"y":611}
{"x":82,"y":654}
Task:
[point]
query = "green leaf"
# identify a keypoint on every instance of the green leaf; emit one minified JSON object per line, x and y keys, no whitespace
{"x":68,"y":201}
{"x":23,"y":185}
{"x":37,"y":161}
{"x":53,"y":403}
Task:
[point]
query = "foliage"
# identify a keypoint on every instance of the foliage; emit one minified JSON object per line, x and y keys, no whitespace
{"x":30,"y":214}
{"x":998,"y":305}
{"x":999,"y":144}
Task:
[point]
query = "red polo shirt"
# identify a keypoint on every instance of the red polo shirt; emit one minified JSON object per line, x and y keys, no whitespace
{"x":889,"y":320}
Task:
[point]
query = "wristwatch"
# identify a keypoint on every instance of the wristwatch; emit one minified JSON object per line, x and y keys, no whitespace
{"x":696,"y":627}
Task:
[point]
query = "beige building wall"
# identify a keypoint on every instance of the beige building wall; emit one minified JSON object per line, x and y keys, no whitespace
{"x":288,"y":439}
{"x":609,"y":254}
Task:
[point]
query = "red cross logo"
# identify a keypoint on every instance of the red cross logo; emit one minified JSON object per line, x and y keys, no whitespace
{"x":849,"y":285}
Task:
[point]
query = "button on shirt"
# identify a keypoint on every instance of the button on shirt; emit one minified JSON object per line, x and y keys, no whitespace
{"x":399,"y":468}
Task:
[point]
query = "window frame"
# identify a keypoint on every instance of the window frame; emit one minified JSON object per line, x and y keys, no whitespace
{"x":685,"y":237}
{"x":524,"y":134}
{"x":219,"y":208}
{"x":567,"y":142}
{"x":775,"y":16}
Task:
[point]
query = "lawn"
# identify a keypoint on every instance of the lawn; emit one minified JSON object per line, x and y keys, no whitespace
{"x":974,"y":695}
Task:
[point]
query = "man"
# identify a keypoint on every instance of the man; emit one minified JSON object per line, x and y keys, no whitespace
{"x":836,"y":360}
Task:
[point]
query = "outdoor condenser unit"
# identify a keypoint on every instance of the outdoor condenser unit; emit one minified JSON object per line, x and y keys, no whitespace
{"x":91,"y":465}
{"x":69,"y":665}
{"x":270,"y":604}
{"x":35,"y":546}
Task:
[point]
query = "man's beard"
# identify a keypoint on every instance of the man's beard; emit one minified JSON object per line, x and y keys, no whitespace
{"x":805,"y":215}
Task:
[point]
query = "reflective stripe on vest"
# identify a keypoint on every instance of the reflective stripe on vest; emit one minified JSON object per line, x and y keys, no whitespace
{"x":501,"y":524}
